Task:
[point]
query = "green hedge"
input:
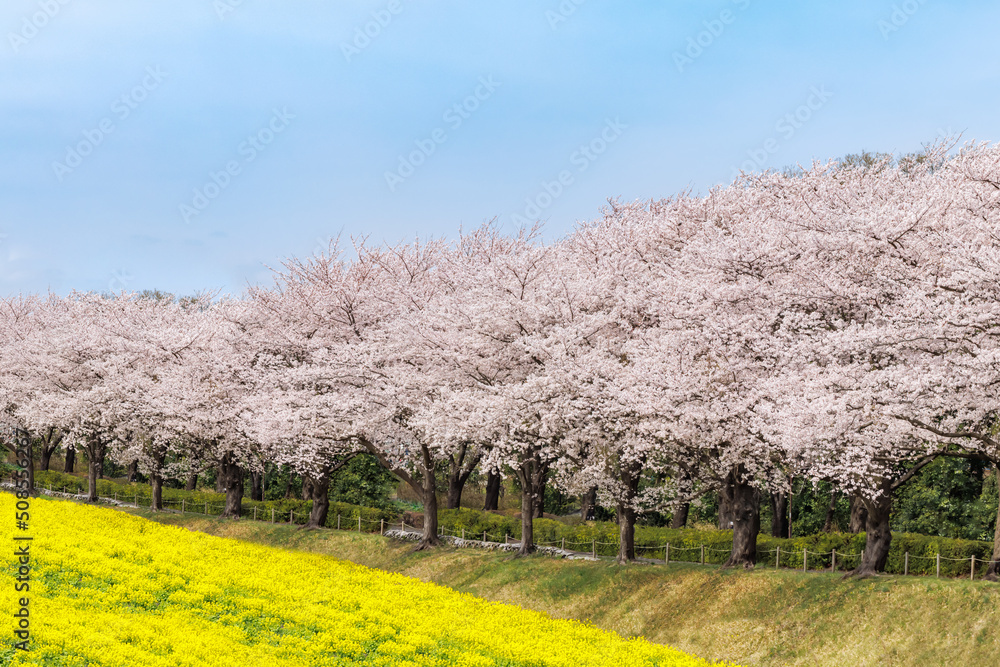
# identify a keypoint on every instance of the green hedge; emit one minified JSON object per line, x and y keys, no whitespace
{"x":195,"y":501}
{"x":685,"y":544}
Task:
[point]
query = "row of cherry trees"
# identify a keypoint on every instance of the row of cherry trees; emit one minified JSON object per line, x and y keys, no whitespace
{"x":839,"y":324}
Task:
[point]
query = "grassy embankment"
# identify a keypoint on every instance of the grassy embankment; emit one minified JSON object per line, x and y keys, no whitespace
{"x":765,"y":617}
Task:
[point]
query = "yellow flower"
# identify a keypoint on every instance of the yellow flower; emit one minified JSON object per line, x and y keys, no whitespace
{"x":113,"y":590}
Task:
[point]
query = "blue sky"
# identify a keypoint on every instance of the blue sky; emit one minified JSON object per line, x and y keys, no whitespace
{"x":188,"y":145}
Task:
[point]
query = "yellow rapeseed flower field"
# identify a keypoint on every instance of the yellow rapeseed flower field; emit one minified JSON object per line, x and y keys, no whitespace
{"x":115,"y":590}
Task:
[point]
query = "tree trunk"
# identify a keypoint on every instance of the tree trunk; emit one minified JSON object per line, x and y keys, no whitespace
{"x":828,"y":521}
{"x":454,"y":493}
{"x":44,"y":457}
{"x":220,"y":485}
{"x":192,"y":482}
{"x":257,"y":485}
{"x":95,"y":454}
{"x":680,"y":516}
{"x":527,"y":522}
{"x":993,"y":571}
{"x":539,"y":493}
{"x":743,"y":501}
{"x":588,"y":505}
{"x":320,"y":489}
{"x":307,"y":487}
{"x":726,"y":518}
{"x":429,"y":496}
{"x":232,"y":482}
{"x":288,"y":485}
{"x":70,"y":459}
{"x":492,"y":492}
{"x":878,"y":537}
{"x":629,"y":477}
{"x":859,"y":515}
{"x":779,"y":514}
{"x":50,"y":443}
{"x":133,"y":471}
{"x":530,"y":474}
{"x":461,"y":465}
{"x":155,"y":480}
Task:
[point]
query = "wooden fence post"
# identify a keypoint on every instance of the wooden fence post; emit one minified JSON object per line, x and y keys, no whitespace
{"x":777,"y":558}
{"x":906,"y":563}
{"x":206,"y":507}
{"x":833,"y":566}
{"x":381,"y":526}
{"x":563,"y":543}
{"x":666,"y":555}
{"x":484,"y":537}
{"x":972,"y":570}
{"x":938,"y":565}
{"x":272,"y":515}
{"x":338,"y":522}
{"x":290,"y":513}
{"x":703,"y":554}
{"x":593,"y":547}
{"x":359,"y":522}
{"x":182,"y":505}
{"x":805,"y":562}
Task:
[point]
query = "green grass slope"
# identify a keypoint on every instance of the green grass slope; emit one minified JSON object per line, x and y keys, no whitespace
{"x":765,"y":617}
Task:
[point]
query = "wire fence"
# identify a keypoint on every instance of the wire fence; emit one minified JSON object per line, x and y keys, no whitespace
{"x":803,"y":559}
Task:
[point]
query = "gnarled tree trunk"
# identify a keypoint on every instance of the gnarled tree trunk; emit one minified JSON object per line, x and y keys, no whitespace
{"x":257,"y":485}
{"x":232,"y":483}
{"x":828,"y":521}
{"x":530,"y":474}
{"x":629,"y":474}
{"x":429,"y":496}
{"x":425,"y":486}
{"x":743,"y":501}
{"x":307,"y":490}
{"x":492,"y":492}
{"x":50,"y":443}
{"x":460,"y":466}
{"x":679,"y":518}
{"x":878,"y":536}
{"x":539,"y":493}
{"x":779,"y":514}
{"x":320,"y":489}
{"x":192,"y":482}
{"x":70,"y":459}
{"x":95,"y":461}
{"x":156,"y":480}
{"x":859,"y":514}
{"x":725,"y":511}
{"x":588,"y":505}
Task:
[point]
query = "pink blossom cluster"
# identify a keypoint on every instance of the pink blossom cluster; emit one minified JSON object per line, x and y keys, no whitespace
{"x":831,"y":324}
